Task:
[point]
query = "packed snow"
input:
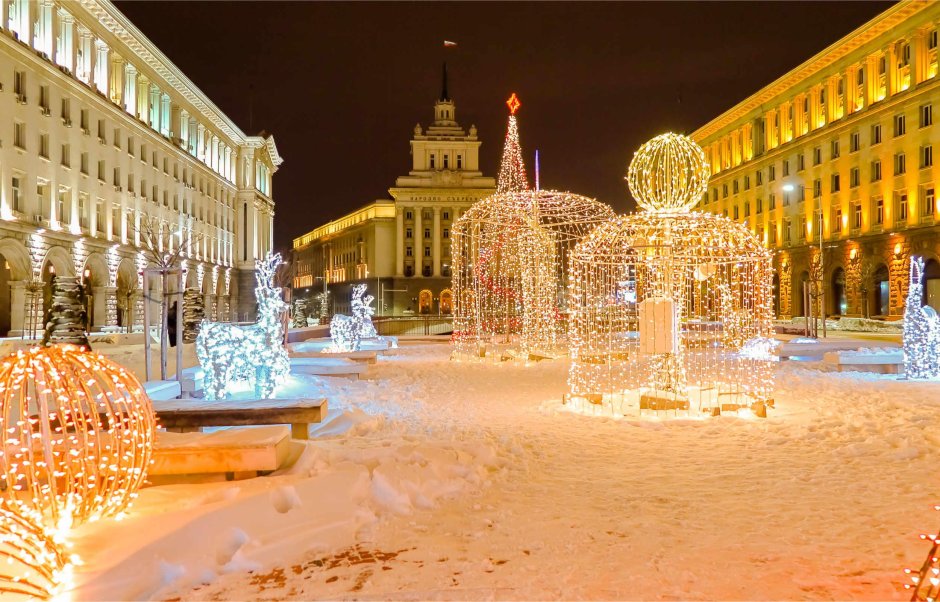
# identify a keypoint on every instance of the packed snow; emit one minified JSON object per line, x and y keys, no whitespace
{"x":439,"y":479}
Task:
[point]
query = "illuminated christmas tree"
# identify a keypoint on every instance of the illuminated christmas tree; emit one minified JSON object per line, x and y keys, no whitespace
{"x":511,"y":169}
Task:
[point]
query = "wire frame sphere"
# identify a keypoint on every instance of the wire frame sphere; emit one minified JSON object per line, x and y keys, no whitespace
{"x":32,"y":566}
{"x":670,"y":312}
{"x":78,"y":433}
{"x":509,"y":269}
{"x":668,"y":174}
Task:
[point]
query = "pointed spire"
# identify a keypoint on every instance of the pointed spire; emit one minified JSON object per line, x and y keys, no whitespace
{"x":444,"y":94}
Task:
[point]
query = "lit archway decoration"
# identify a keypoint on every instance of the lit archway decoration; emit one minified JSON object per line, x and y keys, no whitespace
{"x":670,"y":309}
{"x":78,"y":433}
{"x":510,"y":257}
{"x":32,"y":565}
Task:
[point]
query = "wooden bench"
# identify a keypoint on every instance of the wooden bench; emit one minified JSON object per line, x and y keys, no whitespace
{"x":237,"y":452}
{"x":189,"y":415}
{"x":884,"y":362}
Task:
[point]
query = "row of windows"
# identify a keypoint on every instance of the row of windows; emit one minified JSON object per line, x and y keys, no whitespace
{"x":840,"y":222}
{"x":409,"y":233}
{"x":224,"y":209}
{"x":427,"y":215}
{"x":870,"y":80}
{"x":926,"y":157}
{"x":445,"y":161}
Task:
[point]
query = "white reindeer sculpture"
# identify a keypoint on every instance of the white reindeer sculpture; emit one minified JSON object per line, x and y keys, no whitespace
{"x":347,"y":332}
{"x":229,"y":353}
{"x":921,"y":329}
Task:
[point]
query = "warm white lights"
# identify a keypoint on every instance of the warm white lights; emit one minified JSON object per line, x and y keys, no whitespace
{"x":78,"y":432}
{"x":230,"y":353}
{"x":670,"y":310}
{"x":32,"y":567}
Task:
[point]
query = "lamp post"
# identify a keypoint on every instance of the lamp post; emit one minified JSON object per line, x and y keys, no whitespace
{"x":822,"y":271}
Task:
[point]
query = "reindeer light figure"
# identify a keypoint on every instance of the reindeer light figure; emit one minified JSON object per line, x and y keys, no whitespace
{"x":921,"y":329}
{"x":347,"y":332}
{"x":229,"y":353}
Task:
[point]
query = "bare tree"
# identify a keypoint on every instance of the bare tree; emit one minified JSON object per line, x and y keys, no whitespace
{"x":866,"y":270}
{"x":815,"y":290}
{"x":284,"y":278}
{"x":165,"y":246}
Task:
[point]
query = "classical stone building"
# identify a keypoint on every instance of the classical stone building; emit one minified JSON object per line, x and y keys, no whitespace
{"x":400,"y":247}
{"x":843,"y":146}
{"x":100,"y":132}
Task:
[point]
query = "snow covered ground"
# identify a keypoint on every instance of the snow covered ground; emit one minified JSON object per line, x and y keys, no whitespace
{"x":434,"y":479}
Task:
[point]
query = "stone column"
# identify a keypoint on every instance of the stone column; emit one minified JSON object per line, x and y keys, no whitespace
{"x":137,"y":309}
{"x":419,"y":242}
{"x":17,"y":307}
{"x":116,"y":86}
{"x":399,"y":242}
{"x":101,"y":66}
{"x":436,"y":243}
{"x":99,"y":308}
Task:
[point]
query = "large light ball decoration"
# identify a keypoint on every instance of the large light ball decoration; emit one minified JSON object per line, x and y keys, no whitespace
{"x":32,"y":565}
{"x":671,"y":310}
{"x":668,"y":173}
{"x":509,"y":270}
{"x":78,"y":433}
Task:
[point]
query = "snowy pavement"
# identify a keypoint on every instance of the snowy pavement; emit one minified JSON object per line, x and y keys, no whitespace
{"x":435,"y":479}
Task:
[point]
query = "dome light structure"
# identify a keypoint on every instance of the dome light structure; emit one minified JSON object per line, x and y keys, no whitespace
{"x":78,"y":433}
{"x":32,"y":565}
{"x":510,"y":259}
{"x":670,"y":309}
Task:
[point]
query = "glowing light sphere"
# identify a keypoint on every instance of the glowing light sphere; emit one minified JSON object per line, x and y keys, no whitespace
{"x":32,"y":565}
{"x":670,"y":309}
{"x":509,"y":271}
{"x":78,"y":432}
{"x":668,"y":173}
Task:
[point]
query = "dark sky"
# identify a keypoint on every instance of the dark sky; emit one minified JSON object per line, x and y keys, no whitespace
{"x":341,"y":85}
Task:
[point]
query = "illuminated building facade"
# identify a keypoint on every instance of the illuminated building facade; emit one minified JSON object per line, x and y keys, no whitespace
{"x":400,"y":248}
{"x":843,"y":144}
{"x":100,"y":129}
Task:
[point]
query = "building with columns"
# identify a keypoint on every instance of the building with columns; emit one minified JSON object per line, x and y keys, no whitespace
{"x":400,"y":247}
{"x":842,"y":148}
{"x":101,"y":131}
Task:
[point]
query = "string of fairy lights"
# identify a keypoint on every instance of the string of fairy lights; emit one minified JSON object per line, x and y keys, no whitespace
{"x":663,"y":301}
{"x":510,"y":255}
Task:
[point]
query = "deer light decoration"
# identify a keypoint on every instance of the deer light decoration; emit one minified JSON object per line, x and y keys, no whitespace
{"x":229,"y":353}
{"x":347,"y":332}
{"x":921,"y":329}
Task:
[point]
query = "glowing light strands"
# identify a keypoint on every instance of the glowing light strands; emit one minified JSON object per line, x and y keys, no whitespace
{"x":78,"y":432}
{"x":926,"y":583}
{"x":229,"y":353}
{"x":668,"y":173}
{"x":509,"y":272}
{"x":921,"y":329}
{"x":32,"y":566}
{"x":669,"y":309}
{"x":512,"y":176}
{"x":347,"y":332}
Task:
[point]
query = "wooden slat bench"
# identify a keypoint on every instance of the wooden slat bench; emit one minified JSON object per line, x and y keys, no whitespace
{"x":184,"y":416}
{"x":326,"y":366}
{"x":236,"y":453}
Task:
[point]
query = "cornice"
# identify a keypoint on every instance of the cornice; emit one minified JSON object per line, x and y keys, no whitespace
{"x":881,"y":24}
{"x":121,"y":28}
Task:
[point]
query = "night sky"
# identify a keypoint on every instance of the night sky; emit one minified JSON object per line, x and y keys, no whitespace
{"x":341,"y":85}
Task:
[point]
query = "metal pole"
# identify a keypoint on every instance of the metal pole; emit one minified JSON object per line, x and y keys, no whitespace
{"x":180,"y":324}
{"x":822,"y":276}
{"x":146,"y":284}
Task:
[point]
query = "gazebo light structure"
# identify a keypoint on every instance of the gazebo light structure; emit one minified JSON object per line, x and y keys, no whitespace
{"x":78,"y":432}
{"x":510,"y":258}
{"x":32,"y":565}
{"x":670,"y":309}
